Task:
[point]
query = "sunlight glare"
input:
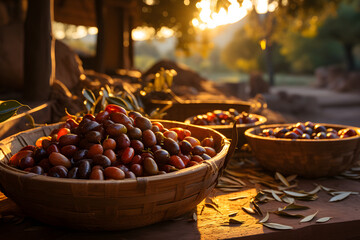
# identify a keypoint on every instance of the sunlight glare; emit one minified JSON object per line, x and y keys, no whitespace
{"x":262,"y":6}
{"x":211,"y":19}
{"x":165,"y":32}
{"x":142,"y":33}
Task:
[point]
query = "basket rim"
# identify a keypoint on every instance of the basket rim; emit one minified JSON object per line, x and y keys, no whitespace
{"x":249,"y":133}
{"x":225,"y":145}
{"x":261,"y":121}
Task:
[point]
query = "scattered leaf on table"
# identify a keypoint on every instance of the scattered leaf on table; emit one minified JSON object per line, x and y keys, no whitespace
{"x":271,"y":191}
{"x":340,"y":192}
{"x":350,"y":175}
{"x":288,"y":200}
{"x":291,"y":178}
{"x":233,"y":214}
{"x":236,"y":179}
{"x":255,"y":206}
{"x":328,"y":189}
{"x":248,"y":210}
{"x":286,"y":214}
{"x":295,"y":207}
{"x":324,"y":219}
{"x":355,"y":169}
{"x":211,"y":205}
{"x":194,"y":216}
{"x":315,"y":190}
{"x":308,"y":198}
{"x":235,"y":221}
{"x":295,"y":194}
{"x":282,"y":179}
{"x":340,"y":197}
{"x":226,"y":189}
{"x":277,"y":226}
{"x":277,"y":198}
{"x":265,"y":218}
{"x":212,"y":200}
{"x":236,"y":198}
{"x":282,"y":188}
{"x":309,"y":218}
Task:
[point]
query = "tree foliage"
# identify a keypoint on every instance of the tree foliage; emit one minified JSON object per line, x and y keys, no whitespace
{"x":345,"y":28}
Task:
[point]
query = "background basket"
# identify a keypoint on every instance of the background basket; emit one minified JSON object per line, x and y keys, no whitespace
{"x":110,"y":204}
{"x":241,"y":128}
{"x":308,"y":158}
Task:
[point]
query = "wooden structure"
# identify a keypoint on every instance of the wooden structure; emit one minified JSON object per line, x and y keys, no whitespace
{"x":113,"y":18}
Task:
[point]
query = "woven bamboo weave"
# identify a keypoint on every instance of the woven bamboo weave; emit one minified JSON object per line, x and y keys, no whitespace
{"x":109,"y":204}
{"x":305,"y":157}
{"x":241,"y":128}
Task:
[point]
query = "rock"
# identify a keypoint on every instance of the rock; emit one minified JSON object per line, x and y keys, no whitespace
{"x":321,"y":74}
{"x":258,"y":84}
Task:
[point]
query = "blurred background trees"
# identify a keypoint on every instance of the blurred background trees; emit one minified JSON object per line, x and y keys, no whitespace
{"x":269,"y":36}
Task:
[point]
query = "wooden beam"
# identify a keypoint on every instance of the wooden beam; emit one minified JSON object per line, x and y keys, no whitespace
{"x":39,"y":60}
{"x":100,"y":41}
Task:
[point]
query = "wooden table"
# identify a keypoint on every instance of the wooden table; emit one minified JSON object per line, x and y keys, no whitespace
{"x":211,"y":224}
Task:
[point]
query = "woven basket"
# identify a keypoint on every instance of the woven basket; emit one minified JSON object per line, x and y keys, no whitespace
{"x":188,"y":108}
{"x":308,"y":158}
{"x":241,"y":128}
{"x":110,"y":204}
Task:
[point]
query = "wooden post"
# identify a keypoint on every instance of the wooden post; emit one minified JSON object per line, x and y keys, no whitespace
{"x":100,"y":41}
{"x":131,"y":42}
{"x":39,"y":59}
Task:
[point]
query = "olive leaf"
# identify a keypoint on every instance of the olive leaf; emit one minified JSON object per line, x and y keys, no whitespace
{"x":211,"y":205}
{"x":288,"y":200}
{"x":265,"y":218}
{"x":9,"y":108}
{"x":323,"y":219}
{"x":271,"y":191}
{"x":295,"y":194}
{"x":194,"y":217}
{"x":255,"y":206}
{"x":291,"y":178}
{"x":295,"y":207}
{"x":235,"y":221}
{"x":309,"y":218}
{"x":340,"y":192}
{"x":277,"y":198}
{"x":286,"y":214}
{"x":236,"y":198}
{"x":340,"y":197}
{"x":89,"y":95}
{"x":118,"y":101}
{"x":233,"y":214}
{"x":248,"y":210}
{"x":282,"y":179}
{"x":277,"y":226}
{"x":316,"y":189}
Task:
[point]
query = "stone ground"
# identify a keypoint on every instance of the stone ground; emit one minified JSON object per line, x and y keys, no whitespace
{"x":323,"y":105}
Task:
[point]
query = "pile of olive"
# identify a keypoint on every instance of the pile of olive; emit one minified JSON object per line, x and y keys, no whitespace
{"x":307,"y":130}
{"x":220,"y":117}
{"x":113,"y":144}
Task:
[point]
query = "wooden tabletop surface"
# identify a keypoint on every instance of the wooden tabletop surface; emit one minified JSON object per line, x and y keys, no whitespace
{"x":213,"y":216}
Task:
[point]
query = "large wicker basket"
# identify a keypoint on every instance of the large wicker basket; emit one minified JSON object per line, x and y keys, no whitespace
{"x":110,"y":204}
{"x":227,"y":130}
{"x":308,"y":158}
